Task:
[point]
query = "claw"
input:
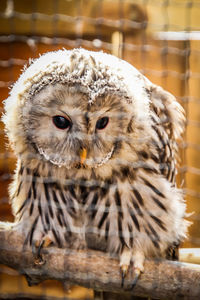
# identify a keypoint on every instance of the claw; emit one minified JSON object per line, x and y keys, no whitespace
{"x":138,"y":262}
{"x":137,"y":275}
{"x":137,"y":257}
{"x":37,"y":247}
{"x":125,"y":260}
{"x":39,"y":259}
{"x":124,"y":270}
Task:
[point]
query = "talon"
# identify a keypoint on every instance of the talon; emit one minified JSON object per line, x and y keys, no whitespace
{"x":125,"y":259}
{"x":137,"y":257}
{"x":36,"y":250}
{"x":124,"y":269}
{"x":123,"y":277}
{"x":38,"y":254}
{"x":137,"y":275}
{"x":37,"y":247}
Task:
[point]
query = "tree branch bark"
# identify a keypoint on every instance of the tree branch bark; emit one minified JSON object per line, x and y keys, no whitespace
{"x":96,"y":270}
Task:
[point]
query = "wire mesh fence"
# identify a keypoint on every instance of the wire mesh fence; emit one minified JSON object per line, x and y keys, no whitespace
{"x":160,"y":38}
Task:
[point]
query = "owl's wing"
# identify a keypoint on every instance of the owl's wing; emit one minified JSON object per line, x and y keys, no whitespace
{"x":168,"y":124}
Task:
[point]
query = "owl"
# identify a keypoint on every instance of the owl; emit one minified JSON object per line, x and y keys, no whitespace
{"x":96,"y":147}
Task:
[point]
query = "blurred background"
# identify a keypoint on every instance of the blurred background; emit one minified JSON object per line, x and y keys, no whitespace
{"x":160,"y":38}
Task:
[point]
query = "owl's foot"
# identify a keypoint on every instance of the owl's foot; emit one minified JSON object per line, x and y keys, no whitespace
{"x":138,"y":265}
{"x":125,"y":260}
{"x":137,"y":258}
{"x":137,"y":273}
{"x":38,"y":246}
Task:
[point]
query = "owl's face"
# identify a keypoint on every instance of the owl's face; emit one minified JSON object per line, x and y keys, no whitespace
{"x":67,"y":131}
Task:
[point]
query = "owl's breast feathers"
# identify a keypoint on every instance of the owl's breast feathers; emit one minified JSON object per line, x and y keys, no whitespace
{"x":130,"y":209}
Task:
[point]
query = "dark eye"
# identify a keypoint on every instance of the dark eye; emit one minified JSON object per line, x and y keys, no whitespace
{"x":62,"y":122}
{"x":102,"y":123}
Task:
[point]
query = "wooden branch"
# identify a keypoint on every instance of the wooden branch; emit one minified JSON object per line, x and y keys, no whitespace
{"x":96,"y":270}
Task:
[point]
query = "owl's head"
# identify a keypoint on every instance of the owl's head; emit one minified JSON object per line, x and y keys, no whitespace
{"x":77,"y":109}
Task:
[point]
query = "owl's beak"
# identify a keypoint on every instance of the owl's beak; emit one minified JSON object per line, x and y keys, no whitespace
{"x":83,"y":155}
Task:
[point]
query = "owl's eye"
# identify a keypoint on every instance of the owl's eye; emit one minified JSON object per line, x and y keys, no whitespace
{"x":62,"y":122}
{"x":102,"y":123}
